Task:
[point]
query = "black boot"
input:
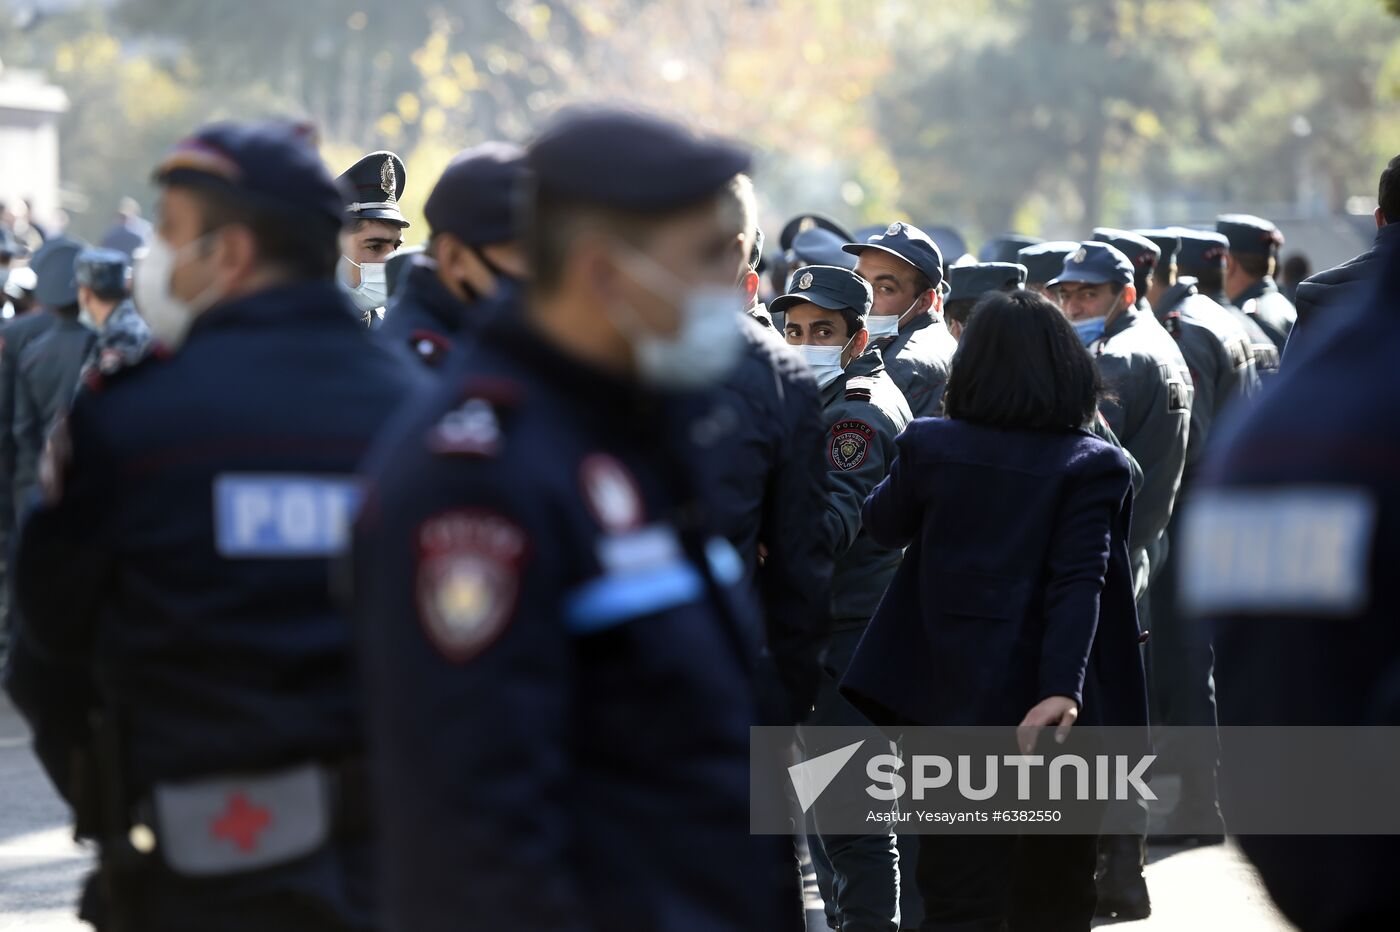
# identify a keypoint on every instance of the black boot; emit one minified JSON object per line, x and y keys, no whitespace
{"x":1122,"y":888}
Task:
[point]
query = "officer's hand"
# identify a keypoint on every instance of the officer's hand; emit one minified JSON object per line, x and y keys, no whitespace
{"x":1060,"y":711}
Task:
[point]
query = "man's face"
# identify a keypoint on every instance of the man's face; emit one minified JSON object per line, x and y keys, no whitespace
{"x":894,"y":281}
{"x":700,"y":248}
{"x":810,"y":325}
{"x":1086,"y":301}
{"x":373,"y":241}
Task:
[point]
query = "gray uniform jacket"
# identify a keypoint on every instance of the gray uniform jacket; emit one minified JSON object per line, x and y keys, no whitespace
{"x":918,"y":359}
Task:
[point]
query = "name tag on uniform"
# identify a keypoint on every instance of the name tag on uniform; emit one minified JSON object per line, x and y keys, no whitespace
{"x":283,"y":516}
{"x":1303,"y":550}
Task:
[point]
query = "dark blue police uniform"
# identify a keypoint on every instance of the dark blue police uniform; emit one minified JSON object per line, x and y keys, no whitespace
{"x":1294,"y":546}
{"x":559,"y":650}
{"x":178,"y":577}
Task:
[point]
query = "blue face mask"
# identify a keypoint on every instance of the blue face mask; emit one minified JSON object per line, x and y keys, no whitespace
{"x":1090,"y":330}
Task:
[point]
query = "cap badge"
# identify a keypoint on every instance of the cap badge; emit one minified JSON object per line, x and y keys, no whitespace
{"x":1080,"y":256}
{"x":895,"y":229}
{"x":805,"y":281}
{"x":388,"y":179}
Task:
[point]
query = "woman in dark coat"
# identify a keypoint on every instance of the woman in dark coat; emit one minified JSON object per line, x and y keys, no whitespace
{"x":1014,"y":603}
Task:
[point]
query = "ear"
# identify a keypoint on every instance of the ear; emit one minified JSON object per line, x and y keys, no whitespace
{"x":936,"y":304}
{"x":1130,"y":295}
{"x":749,"y":286}
{"x":859,"y":343}
{"x":1380,"y":218}
{"x":235,"y":252}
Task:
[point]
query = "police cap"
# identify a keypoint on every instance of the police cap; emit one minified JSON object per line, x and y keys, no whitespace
{"x":372,"y":188}
{"x":1247,"y":233}
{"x":826,"y":286}
{"x":905,"y":241}
{"x":1043,"y":261}
{"x":479,"y":196}
{"x":629,"y":160}
{"x":1096,"y":263}
{"x":105,"y":271}
{"x":972,"y":281}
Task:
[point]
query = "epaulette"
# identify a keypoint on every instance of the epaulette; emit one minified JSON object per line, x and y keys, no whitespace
{"x":860,"y":388}
{"x":112,"y":367}
{"x":1172,"y":322}
{"x":429,"y":346}
{"x":473,"y":426}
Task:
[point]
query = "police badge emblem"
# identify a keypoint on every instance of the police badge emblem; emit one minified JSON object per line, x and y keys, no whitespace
{"x":804,"y":282}
{"x":468,"y":579}
{"x":1080,"y":256}
{"x":388,"y":179}
{"x":850,"y":443}
{"x":895,"y":229}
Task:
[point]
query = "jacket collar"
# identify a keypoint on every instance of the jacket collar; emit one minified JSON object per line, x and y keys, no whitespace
{"x":280,"y":305}
{"x":1260,"y":288}
{"x":1177,"y":293}
{"x":423,"y":287}
{"x":871,"y":362}
{"x":1123,"y":321}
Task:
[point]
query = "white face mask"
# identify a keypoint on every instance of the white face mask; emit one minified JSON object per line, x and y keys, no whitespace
{"x":373,"y":290}
{"x":824,"y":361}
{"x":86,"y":319}
{"x":168,"y":317}
{"x":708,"y":342}
{"x":882,"y":325}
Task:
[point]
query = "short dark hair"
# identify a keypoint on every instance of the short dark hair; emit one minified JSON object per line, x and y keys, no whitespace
{"x":301,"y":247}
{"x":1296,"y":268}
{"x":1255,"y":265}
{"x":1389,"y":195}
{"x":1210,"y":279}
{"x":1163,"y":270}
{"x":1021,"y":365}
{"x":959,"y":309}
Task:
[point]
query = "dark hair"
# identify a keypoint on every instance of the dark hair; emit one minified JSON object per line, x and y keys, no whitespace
{"x":1389,"y":196}
{"x":298,"y":246}
{"x":1296,"y":268}
{"x":1021,"y":365}
{"x":958,"y":309}
{"x":1210,"y":279}
{"x":1162,"y":271}
{"x":1255,"y":265}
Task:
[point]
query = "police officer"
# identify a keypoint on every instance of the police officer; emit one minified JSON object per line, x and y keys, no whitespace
{"x":809,"y":239}
{"x":1150,"y":413}
{"x":473,"y":254}
{"x":951,"y":245}
{"x":825,"y":317}
{"x":968,"y":283}
{"x":577,"y":665}
{"x":905,"y":272}
{"x":1043,"y":262}
{"x":105,"y":307}
{"x":1292,"y":557}
{"x":1249,"y":273}
{"x":49,"y":366}
{"x":179,"y":633}
{"x":1202,"y":259}
{"x":1004,"y":246}
{"x":374,"y":229}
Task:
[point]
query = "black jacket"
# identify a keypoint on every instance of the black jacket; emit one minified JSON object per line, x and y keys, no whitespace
{"x":48,"y":375}
{"x":771,"y":473}
{"x":14,"y":337}
{"x":1336,"y":289}
{"x":426,"y":319}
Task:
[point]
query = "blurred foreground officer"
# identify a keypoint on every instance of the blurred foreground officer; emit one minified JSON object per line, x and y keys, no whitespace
{"x":473,"y":255}
{"x":1249,"y":273}
{"x":122,"y":336}
{"x":179,"y":638}
{"x":374,"y":227}
{"x":50,"y":365}
{"x":905,"y":271}
{"x":1293,"y":554}
{"x":559,"y":652}
{"x":1346,"y":287}
{"x":771,"y":479}
{"x":825,"y":317}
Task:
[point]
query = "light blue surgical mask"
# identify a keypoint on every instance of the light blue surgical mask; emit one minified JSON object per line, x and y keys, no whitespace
{"x":1090,"y":330}
{"x":824,"y":361}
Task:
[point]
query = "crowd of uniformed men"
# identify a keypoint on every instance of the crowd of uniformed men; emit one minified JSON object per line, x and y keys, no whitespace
{"x":602,"y":525}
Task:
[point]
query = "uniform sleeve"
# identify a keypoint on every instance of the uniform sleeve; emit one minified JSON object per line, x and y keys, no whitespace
{"x":1210,"y":367}
{"x":8,"y":363}
{"x":856,"y":461}
{"x":795,"y":579}
{"x":894,"y":510}
{"x":29,"y":440}
{"x":1078,"y":560}
{"x":64,"y":561}
{"x":1155,"y":430}
{"x":469,"y":674}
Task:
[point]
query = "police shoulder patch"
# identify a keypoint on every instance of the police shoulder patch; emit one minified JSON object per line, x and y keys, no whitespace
{"x":850,"y":444}
{"x":469,"y":567}
{"x":473,"y":427}
{"x":111,"y":368}
{"x":1178,"y":395}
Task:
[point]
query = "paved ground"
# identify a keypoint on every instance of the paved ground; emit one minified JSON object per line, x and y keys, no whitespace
{"x":1200,"y":890}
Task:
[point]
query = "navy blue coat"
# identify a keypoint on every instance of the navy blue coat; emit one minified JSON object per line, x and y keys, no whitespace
{"x":1295,"y":541}
{"x":1016,"y":585}
{"x":426,"y":319}
{"x":1335,"y":291}
{"x":560,"y":653}
{"x":175,"y":586}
